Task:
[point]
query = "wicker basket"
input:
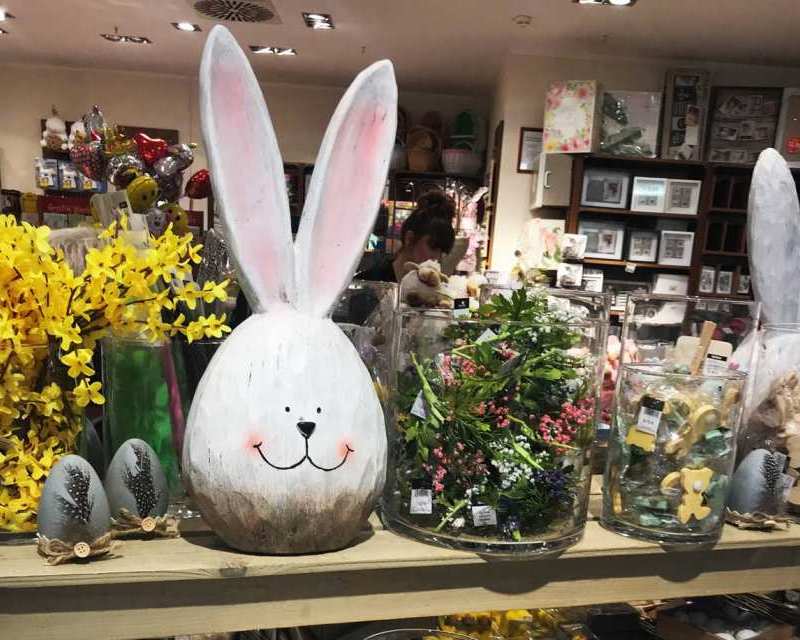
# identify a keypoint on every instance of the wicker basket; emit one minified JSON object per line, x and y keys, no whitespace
{"x":461,"y":161}
{"x":424,"y":149}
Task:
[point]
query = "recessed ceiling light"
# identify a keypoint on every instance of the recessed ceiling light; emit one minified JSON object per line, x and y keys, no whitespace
{"x":118,"y":38}
{"x":5,"y":15}
{"x":318,"y":20}
{"x":616,"y":3}
{"x":186,"y":26}
{"x":620,"y":3}
{"x":274,"y":51}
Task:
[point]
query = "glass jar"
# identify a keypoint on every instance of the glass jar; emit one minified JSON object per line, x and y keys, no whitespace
{"x":671,"y":453}
{"x":494,"y":416}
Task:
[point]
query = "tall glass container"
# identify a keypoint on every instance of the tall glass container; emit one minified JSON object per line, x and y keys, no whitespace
{"x":494,"y":419}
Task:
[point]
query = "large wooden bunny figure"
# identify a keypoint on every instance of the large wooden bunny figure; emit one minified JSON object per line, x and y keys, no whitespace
{"x":285,"y":447}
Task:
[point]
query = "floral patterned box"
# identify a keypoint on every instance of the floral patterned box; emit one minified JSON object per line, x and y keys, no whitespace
{"x":571,"y":116}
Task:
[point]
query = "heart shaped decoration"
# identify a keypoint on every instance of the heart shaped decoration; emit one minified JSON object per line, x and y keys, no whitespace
{"x":150,"y":149}
{"x":89,"y":158}
{"x":199,"y":185}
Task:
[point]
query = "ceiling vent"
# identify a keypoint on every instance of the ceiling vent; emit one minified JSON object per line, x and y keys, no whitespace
{"x":258,"y":11}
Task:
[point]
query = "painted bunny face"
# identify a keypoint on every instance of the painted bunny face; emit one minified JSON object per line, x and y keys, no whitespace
{"x":285,"y":448}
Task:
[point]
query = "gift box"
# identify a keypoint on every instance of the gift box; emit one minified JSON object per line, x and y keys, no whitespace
{"x":572,"y":117}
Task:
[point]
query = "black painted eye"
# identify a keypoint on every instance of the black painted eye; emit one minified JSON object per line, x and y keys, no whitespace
{"x":287,"y":409}
{"x":319,"y":409}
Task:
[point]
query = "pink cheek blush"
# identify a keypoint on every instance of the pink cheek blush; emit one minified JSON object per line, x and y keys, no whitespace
{"x":252,"y":440}
{"x":344,"y":447}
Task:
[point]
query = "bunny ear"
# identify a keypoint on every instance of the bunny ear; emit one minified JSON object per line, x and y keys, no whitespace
{"x":773,"y":237}
{"x":247,"y":172}
{"x":346,"y":188}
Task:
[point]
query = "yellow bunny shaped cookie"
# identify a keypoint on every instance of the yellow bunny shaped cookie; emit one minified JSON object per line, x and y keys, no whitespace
{"x":694,"y":483}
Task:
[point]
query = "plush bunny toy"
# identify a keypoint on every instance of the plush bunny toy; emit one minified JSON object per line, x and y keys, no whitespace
{"x":285,"y":447}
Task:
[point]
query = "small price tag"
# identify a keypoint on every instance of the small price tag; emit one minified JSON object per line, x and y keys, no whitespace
{"x":486,"y":335}
{"x":715,"y":364}
{"x":484,"y":516}
{"x":630,"y":267}
{"x":418,"y":408}
{"x":788,"y":484}
{"x":460,"y":307}
{"x":650,"y":415}
{"x":421,"y":502}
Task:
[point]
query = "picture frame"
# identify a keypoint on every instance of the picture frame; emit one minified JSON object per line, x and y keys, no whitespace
{"x":642,"y":246}
{"x":569,"y":275}
{"x":683,"y":196}
{"x":649,"y":194}
{"x":675,"y":248}
{"x":530,"y":148}
{"x":743,"y":284}
{"x":673,"y":284}
{"x":724,"y":282}
{"x":632,"y":125}
{"x":621,"y":289}
{"x":708,"y":280}
{"x":572,"y":116}
{"x":592,"y":280}
{"x":604,"y":238}
{"x":686,"y":99}
{"x":603,"y":188}
{"x":573,"y":246}
{"x":787,"y":138}
{"x":743,"y":121}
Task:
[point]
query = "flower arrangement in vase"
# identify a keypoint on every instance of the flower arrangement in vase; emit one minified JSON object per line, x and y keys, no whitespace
{"x":51,"y":319}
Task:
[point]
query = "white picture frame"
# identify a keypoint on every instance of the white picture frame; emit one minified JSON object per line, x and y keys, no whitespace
{"x":592,"y":280}
{"x":683,"y":196}
{"x":743,"y":284}
{"x":725,"y":282}
{"x":672,"y":284}
{"x":604,"y":238}
{"x":569,"y":275}
{"x":573,"y":246}
{"x":675,"y":248}
{"x":649,"y":194}
{"x":708,"y":280}
{"x":603,"y":188}
{"x":642,"y":246}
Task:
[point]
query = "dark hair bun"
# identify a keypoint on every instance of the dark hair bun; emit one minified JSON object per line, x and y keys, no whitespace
{"x":433,"y":217}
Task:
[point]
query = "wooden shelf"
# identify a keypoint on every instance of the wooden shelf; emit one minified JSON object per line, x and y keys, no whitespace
{"x":628,"y":212}
{"x":193,"y":584}
{"x":725,"y":254}
{"x":601,"y":262}
{"x":728,"y":210}
{"x":604,"y":157}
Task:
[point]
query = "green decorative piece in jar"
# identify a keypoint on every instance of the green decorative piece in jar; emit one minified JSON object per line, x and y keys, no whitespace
{"x":495,"y":416}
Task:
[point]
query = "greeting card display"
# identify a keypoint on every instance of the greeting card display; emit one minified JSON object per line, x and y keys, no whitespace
{"x":285,"y":448}
{"x":571,"y":116}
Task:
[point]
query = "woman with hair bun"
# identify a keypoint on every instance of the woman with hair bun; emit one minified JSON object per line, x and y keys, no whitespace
{"x":425,"y":235}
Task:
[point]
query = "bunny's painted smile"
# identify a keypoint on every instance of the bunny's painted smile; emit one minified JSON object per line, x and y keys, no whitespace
{"x":306,"y":456}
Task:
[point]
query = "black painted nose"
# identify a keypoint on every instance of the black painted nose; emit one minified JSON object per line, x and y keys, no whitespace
{"x":306,"y":428}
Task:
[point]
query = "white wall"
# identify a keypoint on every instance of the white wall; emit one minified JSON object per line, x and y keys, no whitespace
{"x":519,"y":101}
{"x":300,"y":113}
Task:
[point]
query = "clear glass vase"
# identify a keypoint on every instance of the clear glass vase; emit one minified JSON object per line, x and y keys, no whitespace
{"x":494,"y":417}
{"x":671,"y":453}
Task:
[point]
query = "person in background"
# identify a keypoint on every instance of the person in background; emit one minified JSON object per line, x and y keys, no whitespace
{"x":425,"y":235}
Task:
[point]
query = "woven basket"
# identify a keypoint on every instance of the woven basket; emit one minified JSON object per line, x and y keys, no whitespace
{"x":424,"y":149}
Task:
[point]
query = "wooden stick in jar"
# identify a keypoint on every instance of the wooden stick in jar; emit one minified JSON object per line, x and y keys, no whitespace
{"x":702,"y":347}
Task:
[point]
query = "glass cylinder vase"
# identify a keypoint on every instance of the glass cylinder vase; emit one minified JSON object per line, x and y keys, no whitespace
{"x":671,"y":453}
{"x":494,"y":417}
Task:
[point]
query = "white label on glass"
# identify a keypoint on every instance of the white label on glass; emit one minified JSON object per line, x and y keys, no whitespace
{"x":421,"y":502}
{"x":715,"y":364}
{"x":418,"y":408}
{"x":460,"y":307}
{"x":788,"y":483}
{"x":486,"y":335}
{"x":484,"y":516}
{"x":650,"y":415}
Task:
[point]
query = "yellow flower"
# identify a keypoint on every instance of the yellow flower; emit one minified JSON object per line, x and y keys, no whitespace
{"x":78,"y":363}
{"x":86,"y":393}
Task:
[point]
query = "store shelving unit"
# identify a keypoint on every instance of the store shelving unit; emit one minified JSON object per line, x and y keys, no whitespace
{"x":193,"y":584}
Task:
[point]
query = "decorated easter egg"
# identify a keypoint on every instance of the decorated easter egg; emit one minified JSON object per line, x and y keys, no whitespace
{"x":73,"y":507}
{"x":136,"y":482}
{"x":142,"y":192}
{"x":756,"y":484}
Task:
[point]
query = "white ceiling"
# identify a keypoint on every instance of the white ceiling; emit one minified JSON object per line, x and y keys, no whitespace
{"x":449,"y":46}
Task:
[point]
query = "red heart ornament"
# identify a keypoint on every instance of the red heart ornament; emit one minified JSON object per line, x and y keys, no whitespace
{"x":89,"y":158}
{"x":150,"y":149}
{"x":199,"y":185}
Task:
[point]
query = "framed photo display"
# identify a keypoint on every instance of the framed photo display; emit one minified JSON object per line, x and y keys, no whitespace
{"x":683,"y":196}
{"x":725,"y":282}
{"x":643,"y":246}
{"x":604,"y":238}
{"x":743,"y":284}
{"x":530,"y":148}
{"x":573,"y":246}
{"x":685,"y":114}
{"x":603,"y":188}
{"x":743,"y":123}
{"x":675,"y":248}
{"x":569,"y":276}
{"x":708,"y":278}
{"x":649,"y":194}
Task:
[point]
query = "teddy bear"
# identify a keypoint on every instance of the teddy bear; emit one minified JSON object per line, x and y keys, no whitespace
{"x":54,"y":136}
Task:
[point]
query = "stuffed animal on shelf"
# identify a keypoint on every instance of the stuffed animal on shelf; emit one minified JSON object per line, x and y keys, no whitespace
{"x":77,"y":134}
{"x":285,"y":448}
{"x":54,"y":136}
{"x":424,"y":286}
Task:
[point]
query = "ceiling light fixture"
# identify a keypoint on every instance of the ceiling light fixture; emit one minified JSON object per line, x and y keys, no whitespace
{"x":274,"y":51}
{"x":607,"y":3}
{"x":119,"y":39}
{"x":5,"y":15}
{"x":189,"y":27}
{"x":318,"y":20}
{"x":3,"y":32}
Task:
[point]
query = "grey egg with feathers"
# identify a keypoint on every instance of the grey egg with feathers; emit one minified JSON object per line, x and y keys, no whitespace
{"x":73,"y":507}
{"x":756,"y":484}
{"x":135,"y":481}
